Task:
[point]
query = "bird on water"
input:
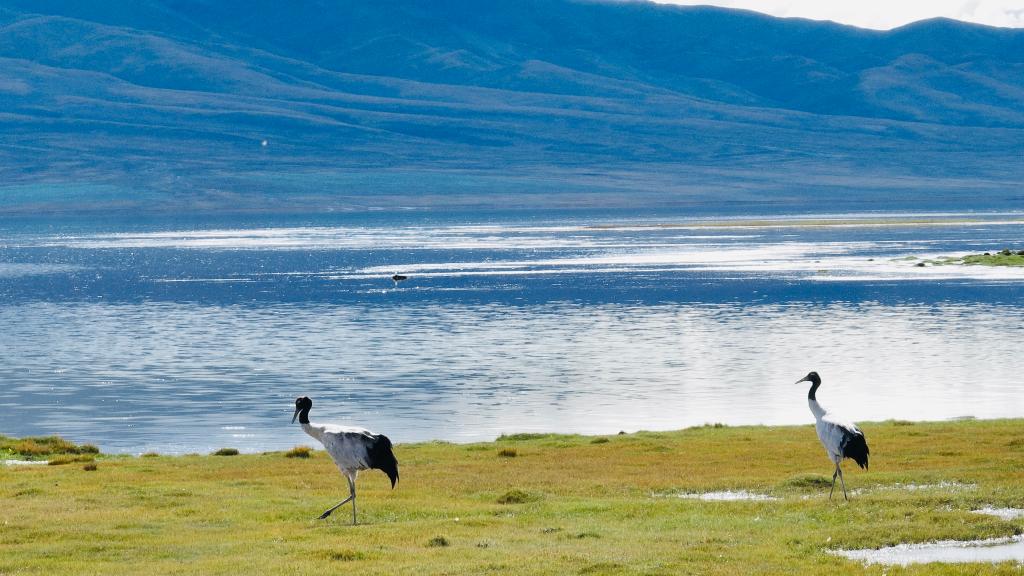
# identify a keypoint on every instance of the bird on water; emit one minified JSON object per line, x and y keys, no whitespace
{"x":399,"y":278}
{"x":352,"y":449}
{"x":840,"y":439}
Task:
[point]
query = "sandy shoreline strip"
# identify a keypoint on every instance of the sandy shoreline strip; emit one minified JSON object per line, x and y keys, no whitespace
{"x":816,"y":223}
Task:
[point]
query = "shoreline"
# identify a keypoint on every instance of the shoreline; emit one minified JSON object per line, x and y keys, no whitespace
{"x":823,"y":222}
{"x":527,"y":435}
{"x":504,"y":436}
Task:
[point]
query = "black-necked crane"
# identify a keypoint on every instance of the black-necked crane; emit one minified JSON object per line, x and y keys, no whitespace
{"x":840,"y":439}
{"x":352,"y":449}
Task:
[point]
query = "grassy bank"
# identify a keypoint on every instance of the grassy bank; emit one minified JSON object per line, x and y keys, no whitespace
{"x":1005,"y":257}
{"x":522,"y":505}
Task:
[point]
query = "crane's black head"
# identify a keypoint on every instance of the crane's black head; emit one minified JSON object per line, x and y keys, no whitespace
{"x":811,"y":377}
{"x":815,"y":381}
{"x":302,"y":406}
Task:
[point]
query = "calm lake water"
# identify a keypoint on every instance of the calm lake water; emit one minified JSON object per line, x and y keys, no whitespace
{"x":186,"y":338}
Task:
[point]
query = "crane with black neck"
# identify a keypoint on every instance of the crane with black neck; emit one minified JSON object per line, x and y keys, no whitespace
{"x":352,"y":449}
{"x":841,"y":439}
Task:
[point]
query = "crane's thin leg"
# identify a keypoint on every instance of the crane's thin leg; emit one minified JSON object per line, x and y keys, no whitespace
{"x":834,"y":474}
{"x":843,"y":482}
{"x":352,"y":489}
{"x":335,"y":507}
{"x":351,"y":496}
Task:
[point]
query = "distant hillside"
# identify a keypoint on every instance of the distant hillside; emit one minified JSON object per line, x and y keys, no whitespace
{"x":167,"y":104}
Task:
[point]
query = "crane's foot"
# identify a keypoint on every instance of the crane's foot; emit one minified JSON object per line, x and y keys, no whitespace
{"x":324,"y":515}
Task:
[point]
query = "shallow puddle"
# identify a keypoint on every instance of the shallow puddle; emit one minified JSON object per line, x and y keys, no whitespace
{"x":726,"y":496}
{"x":949,"y":486}
{"x":942,"y":485}
{"x":948,"y":551}
{"x":1004,"y":513}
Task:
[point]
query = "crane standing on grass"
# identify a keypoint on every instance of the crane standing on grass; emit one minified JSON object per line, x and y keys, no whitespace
{"x":352,"y":449}
{"x":840,"y":439}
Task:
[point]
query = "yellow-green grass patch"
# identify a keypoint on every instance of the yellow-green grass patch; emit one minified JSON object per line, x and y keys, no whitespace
{"x":565,"y":506}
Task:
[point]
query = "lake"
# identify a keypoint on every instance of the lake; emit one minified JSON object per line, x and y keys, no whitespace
{"x":190,"y":336}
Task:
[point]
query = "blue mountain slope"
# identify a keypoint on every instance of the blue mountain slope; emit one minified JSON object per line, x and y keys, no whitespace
{"x":163,"y":96}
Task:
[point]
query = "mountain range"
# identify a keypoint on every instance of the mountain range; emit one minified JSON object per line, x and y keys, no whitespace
{"x":224,"y":105}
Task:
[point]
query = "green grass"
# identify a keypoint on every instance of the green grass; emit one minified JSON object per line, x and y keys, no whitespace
{"x":299,"y":452}
{"x":41,"y":447}
{"x":564,"y":505}
{"x":1005,"y":257}
{"x":61,"y":460}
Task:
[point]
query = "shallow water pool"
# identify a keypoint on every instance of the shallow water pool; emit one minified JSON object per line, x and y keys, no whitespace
{"x":947,"y":551}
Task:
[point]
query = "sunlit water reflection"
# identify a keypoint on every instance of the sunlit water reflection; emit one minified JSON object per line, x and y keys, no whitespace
{"x":178,"y":377}
{"x":189,"y":341}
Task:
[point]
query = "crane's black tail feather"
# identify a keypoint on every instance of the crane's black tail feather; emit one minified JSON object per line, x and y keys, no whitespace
{"x":855,"y":447}
{"x":382,"y":458}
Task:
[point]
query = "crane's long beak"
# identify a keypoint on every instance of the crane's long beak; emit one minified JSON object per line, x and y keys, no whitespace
{"x":804,"y":379}
{"x":296,"y":415}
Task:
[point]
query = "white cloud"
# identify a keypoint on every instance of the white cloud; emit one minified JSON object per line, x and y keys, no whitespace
{"x":882,"y":14}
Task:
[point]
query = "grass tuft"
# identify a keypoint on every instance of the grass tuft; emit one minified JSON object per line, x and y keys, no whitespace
{"x":151,"y":455}
{"x":517,"y":496}
{"x":806,"y":482}
{"x":600,"y":440}
{"x":525,"y":436}
{"x":226,"y":452}
{"x":344,"y":555}
{"x":90,"y":467}
{"x":32,"y":447}
{"x":603,"y":569}
{"x":61,"y":460}
{"x":508,"y":453}
{"x":438,"y":542}
{"x":299,"y":452}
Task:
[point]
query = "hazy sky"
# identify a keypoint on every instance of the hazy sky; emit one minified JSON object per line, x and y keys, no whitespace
{"x":883,"y":14}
